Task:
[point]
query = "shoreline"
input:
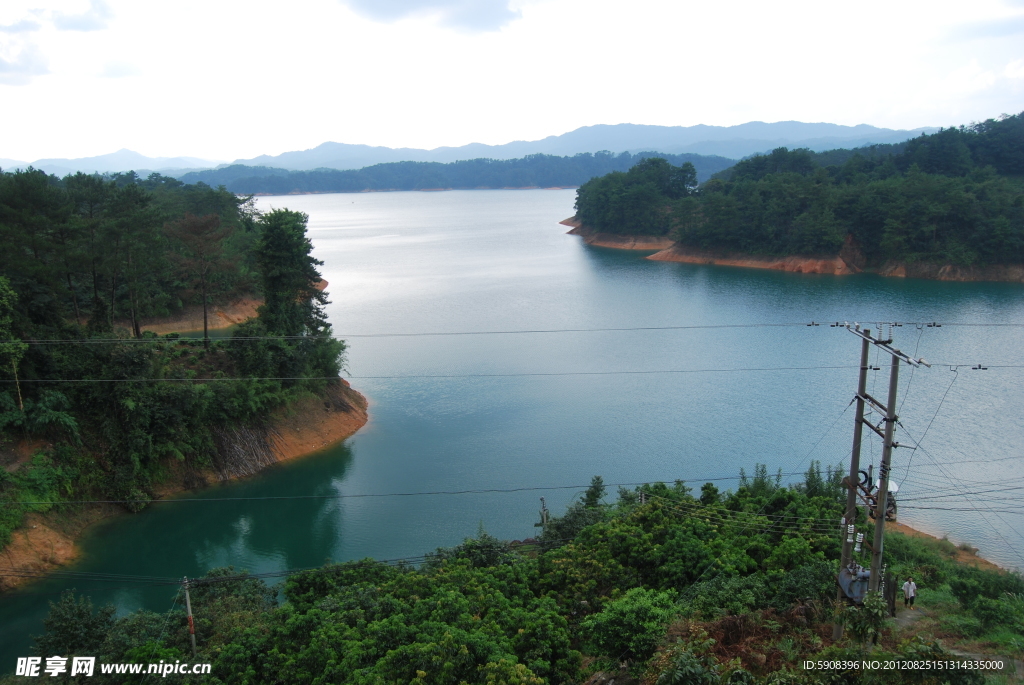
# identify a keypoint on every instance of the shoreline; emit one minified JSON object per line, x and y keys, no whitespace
{"x":407,"y":190}
{"x":848,"y":262}
{"x":961,"y":556}
{"x":618,"y":242}
{"x":835,"y":266}
{"x":46,"y":542}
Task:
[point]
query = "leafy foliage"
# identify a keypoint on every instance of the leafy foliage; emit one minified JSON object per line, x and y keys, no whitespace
{"x":91,"y":257}
{"x":687,"y":591}
{"x":951,"y":198}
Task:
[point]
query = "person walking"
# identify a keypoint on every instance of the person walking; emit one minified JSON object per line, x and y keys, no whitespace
{"x":909,"y":593}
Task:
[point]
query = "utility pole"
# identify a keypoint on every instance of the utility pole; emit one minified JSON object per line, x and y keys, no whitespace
{"x":883,"y":475}
{"x":889,"y":409}
{"x":850,"y":514}
{"x":191,"y":621}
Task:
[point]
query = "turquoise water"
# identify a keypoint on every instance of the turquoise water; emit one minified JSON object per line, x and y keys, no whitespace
{"x":472,"y":261}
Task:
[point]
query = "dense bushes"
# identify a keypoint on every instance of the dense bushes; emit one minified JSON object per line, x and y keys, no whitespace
{"x":682,"y":591}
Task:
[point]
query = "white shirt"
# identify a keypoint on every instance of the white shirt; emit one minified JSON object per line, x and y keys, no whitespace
{"x":910,"y":589}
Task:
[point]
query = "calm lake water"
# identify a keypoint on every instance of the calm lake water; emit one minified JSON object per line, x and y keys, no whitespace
{"x":481,"y":261}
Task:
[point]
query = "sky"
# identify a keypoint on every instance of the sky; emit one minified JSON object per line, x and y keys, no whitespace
{"x":227,"y":79}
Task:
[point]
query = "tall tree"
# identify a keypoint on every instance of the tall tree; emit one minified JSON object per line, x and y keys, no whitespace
{"x":293,"y":305}
{"x":11,"y":349}
{"x":203,"y":241}
{"x":89,"y":196}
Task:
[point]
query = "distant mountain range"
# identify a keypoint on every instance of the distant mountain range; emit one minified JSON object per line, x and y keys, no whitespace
{"x":734,"y":142}
{"x":122,"y":160}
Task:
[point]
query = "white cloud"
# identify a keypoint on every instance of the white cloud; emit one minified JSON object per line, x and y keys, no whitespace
{"x":19,"y":69}
{"x":95,"y":18}
{"x":969,"y":79}
{"x":270,"y":77}
{"x":21,"y":26}
{"x":1014,"y":69}
{"x":470,"y":15}
{"x":119,"y":69}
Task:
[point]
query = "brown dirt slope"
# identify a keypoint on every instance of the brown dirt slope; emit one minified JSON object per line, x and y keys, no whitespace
{"x":47,"y":541}
{"x":806,"y":265}
{"x":619,"y":242}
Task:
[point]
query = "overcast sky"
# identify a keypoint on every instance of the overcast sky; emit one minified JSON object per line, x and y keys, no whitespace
{"x":226,"y":79}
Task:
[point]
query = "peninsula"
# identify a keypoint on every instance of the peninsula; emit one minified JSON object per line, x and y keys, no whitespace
{"x":947,"y":205}
{"x":103,"y":399}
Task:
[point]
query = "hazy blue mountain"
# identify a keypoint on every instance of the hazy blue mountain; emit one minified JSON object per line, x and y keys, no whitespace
{"x":733,"y":142}
{"x":122,"y":160}
{"x":726,"y":141}
{"x":532,"y":171}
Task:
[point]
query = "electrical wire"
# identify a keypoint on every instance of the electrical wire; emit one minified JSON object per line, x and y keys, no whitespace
{"x":956,"y":374}
{"x":176,"y":500}
{"x":951,"y":480}
{"x":340,"y":336}
{"x":418,"y":376}
{"x":798,"y":466}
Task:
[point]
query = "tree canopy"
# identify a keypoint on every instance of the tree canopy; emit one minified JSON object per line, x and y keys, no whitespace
{"x":952,"y":197}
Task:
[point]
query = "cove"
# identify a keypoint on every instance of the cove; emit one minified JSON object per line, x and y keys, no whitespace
{"x":469,"y":412}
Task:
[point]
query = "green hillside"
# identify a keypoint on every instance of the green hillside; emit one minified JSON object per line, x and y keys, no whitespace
{"x":952,"y":197}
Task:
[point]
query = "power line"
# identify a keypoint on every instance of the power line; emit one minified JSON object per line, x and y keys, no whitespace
{"x":387,"y":494}
{"x":951,"y":480}
{"x":475,"y":375}
{"x":528,"y":331}
{"x":466,"y":375}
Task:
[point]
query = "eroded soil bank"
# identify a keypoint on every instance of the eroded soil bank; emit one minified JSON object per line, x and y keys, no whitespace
{"x":848,"y":261}
{"x":48,"y":541}
{"x":621,"y":242}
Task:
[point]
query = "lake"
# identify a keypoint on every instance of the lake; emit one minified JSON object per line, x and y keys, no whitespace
{"x":543,"y":409}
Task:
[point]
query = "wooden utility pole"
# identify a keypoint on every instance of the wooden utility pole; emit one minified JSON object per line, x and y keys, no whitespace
{"x":191,"y":621}
{"x":850,"y":513}
{"x":882,"y":498}
{"x":883,"y":475}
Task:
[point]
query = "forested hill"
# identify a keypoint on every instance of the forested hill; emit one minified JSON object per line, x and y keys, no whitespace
{"x":542,"y":171}
{"x":86,"y":259}
{"x":952,"y":197}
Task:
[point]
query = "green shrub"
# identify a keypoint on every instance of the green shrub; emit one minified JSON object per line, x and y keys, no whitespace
{"x":962,"y":624}
{"x":632,"y":626}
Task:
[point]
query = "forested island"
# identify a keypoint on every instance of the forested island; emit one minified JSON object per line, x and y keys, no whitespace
{"x":533,"y":171}
{"x":93,"y":407}
{"x":659,"y":585}
{"x":949,"y":204}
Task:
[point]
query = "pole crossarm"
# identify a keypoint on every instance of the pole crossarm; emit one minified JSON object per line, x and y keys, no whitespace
{"x":885,"y":346}
{"x":878,"y":431}
{"x":875,"y":403}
